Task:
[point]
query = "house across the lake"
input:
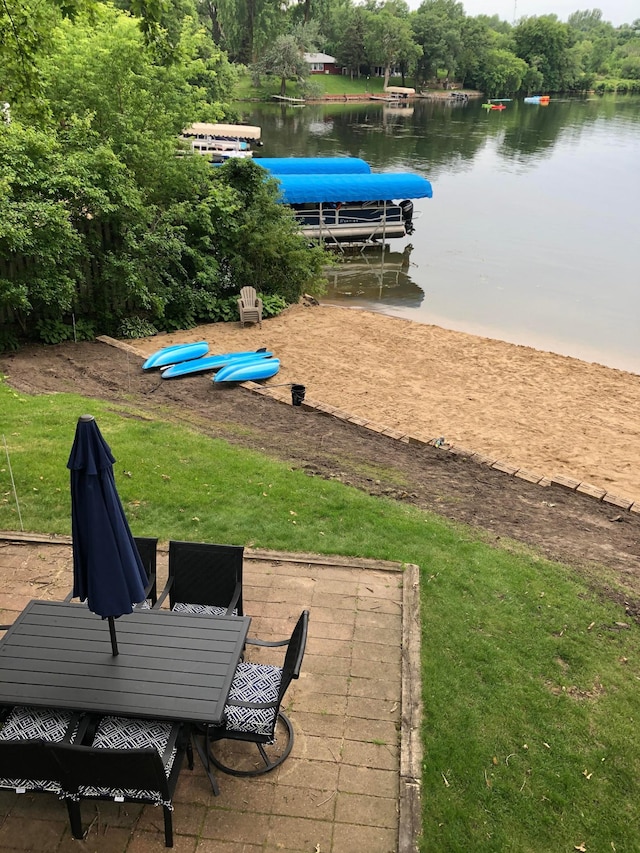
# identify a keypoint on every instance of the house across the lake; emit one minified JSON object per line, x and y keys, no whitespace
{"x":322,"y":63}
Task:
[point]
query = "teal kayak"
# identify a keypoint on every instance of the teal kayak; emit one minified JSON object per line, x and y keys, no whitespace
{"x":244,"y":371}
{"x":175,"y":354}
{"x":212,"y":362}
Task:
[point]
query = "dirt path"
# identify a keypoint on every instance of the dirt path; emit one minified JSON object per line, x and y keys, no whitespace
{"x":597,"y":539}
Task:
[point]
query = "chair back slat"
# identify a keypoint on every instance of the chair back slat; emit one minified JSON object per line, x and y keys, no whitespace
{"x":205,"y":573}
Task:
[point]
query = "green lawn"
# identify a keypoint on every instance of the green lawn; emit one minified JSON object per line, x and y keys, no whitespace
{"x":530,"y":676}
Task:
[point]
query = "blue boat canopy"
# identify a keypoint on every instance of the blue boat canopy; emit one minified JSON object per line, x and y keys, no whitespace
{"x":314,"y":165}
{"x":304,"y":189}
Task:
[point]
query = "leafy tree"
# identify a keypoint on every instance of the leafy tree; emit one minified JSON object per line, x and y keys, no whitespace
{"x":264,"y":246}
{"x":544,"y":43}
{"x":26,"y":27}
{"x":477,"y":38}
{"x":246,"y":27}
{"x":502,"y":74}
{"x":437,"y":28}
{"x":349,"y":47}
{"x":389,"y":42}
{"x":100,"y":218}
{"x":35,"y":225}
{"x":285,"y":58}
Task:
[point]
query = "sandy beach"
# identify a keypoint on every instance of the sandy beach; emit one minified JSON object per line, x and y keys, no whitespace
{"x":547,"y":413}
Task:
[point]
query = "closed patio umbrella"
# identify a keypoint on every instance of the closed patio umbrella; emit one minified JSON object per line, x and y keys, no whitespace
{"x":107,"y":569}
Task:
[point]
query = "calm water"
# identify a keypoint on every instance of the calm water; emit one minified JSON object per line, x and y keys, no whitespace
{"x":533,"y":232}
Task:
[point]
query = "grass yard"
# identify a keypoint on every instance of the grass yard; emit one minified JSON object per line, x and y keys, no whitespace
{"x":530,"y":676}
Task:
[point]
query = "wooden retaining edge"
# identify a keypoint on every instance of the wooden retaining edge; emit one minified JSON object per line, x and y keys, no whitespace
{"x":628,"y":504}
{"x":506,"y":467}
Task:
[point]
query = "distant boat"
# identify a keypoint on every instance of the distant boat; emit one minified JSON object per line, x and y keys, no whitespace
{"x":221,"y":142}
{"x":490,"y":106}
{"x":543,"y":100}
{"x":394,"y":94}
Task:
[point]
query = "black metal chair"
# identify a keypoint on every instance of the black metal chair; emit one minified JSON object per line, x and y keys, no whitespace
{"x":128,"y":760}
{"x":25,"y":732}
{"x":254,"y":709}
{"x":204,"y":578}
{"x":147,"y":549}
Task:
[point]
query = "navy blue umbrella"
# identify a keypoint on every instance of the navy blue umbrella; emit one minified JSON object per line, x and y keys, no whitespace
{"x":107,"y":569}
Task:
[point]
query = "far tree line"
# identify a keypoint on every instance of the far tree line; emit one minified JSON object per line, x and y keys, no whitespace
{"x":438,"y":40}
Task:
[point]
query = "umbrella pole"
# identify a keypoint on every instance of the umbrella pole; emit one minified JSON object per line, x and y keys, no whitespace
{"x":112,"y":632}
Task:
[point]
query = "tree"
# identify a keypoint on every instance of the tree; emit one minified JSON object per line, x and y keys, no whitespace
{"x":285,"y":58}
{"x":264,"y":246}
{"x":544,"y":43}
{"x":389,"y":42}
{"x":349,"y":45}
{"x":437,"y":28}
{"x":477,"y":38}
{"x":502,"y":74}
{"x":98,"y":216}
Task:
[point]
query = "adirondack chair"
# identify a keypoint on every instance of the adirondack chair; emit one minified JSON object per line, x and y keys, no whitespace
{"x":250,"y":306}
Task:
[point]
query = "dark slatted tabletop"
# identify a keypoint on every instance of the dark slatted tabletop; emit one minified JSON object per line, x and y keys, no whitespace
{"x":171,"y":665}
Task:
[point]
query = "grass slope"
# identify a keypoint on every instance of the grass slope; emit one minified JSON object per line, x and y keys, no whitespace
{"x":530,"y":678}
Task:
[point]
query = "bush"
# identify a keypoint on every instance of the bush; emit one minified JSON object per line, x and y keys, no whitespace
{"x":136,"y":327}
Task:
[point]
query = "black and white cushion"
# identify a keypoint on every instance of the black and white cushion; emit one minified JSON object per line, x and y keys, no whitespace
{"x":126,"y":733}
{"x":257,"y":683}
{"x":206,"y":609}
{"x":26,"y":723}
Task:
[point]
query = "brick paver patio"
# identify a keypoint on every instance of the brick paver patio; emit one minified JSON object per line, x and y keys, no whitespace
{"x":351,"y":783}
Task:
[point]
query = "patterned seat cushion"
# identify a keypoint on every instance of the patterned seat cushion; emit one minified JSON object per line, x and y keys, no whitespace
{"x":207,"y":609}
{"x":25,"y":723}
{"x":253,"y":683}
{"x":126,"y":733}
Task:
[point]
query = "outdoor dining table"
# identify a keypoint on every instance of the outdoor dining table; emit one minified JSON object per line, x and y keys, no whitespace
{"x":171,"y":666}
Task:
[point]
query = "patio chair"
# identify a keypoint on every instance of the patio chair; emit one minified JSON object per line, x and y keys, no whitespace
{"x":128,"y":760}
{"x":25,"y":762}
{"x":147,"y":549}
{"x":250,"y":306}
{"x":254,"y":709}
{"x":204,"y":578}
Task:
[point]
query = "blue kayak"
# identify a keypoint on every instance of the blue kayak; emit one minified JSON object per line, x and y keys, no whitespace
{"x":244,"y":371}
{"x":176,"y":354}
{"x":212,"y":362}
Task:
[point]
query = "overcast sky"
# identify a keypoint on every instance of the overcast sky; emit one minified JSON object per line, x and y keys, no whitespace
{"x":615,"y":11}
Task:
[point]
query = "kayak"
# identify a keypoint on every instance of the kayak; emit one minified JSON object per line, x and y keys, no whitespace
{"x":175,"y":354}
{"x":244,"y":371}
{"x":211,"y":362}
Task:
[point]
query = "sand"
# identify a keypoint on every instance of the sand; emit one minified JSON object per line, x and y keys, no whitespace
{"x":546,"y":413}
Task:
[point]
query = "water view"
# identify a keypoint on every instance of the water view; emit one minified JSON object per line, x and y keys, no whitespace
{"x":532,"y":235}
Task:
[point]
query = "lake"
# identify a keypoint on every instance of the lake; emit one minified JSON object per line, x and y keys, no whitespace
{"x":533,"y":232}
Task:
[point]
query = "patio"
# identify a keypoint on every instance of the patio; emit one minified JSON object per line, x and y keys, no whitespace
{"x":352,"y":782}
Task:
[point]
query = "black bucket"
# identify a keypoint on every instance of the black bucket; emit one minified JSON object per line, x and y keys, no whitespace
{"x":297,"y":394}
